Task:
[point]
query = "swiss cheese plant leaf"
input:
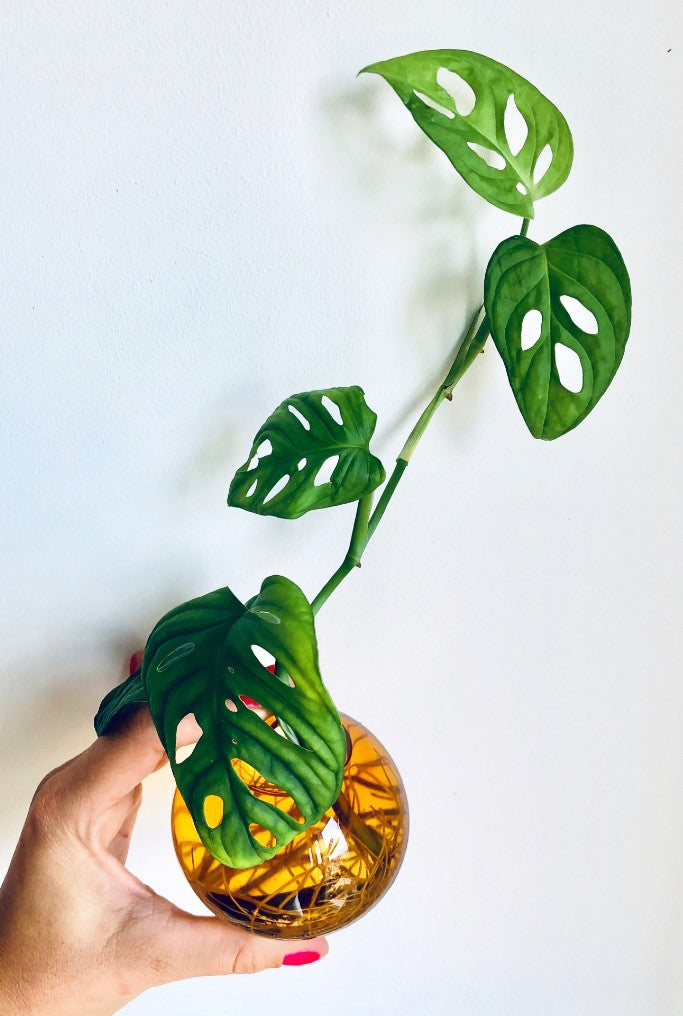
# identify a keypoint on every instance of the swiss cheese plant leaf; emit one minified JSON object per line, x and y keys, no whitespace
{"x":507,"y":141}
{"x":129,"y":692}
{"x":560,"y":314}
{"x":307,"y":435}
{"x":200,"y":660}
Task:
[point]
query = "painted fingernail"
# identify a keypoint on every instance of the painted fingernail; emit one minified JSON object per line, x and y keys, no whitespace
{"x":134,"y":662}
{"x":250,"y":703}
{"x":299,"y":959}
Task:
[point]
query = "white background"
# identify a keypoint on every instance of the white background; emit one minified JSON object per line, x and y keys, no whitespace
{"x":203,"y":211}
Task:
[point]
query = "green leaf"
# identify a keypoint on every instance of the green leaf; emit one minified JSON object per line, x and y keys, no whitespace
{"x":128,"y":693}
{"x":474,"y":138}
{"x":199,"y":659}
{"x":295,"y":442}
{"x":557,"y":283}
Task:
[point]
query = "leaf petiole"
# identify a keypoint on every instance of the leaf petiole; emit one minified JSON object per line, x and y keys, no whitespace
{"x":359,"y":539}
{"x":365,"y":523}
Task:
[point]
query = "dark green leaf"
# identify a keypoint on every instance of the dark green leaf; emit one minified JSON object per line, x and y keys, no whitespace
{"x":557,"y":282}
{"x":199,"y":659}
{"x":299,"y":450}
{"x":475,"y":139}
{"x":119,"y":699}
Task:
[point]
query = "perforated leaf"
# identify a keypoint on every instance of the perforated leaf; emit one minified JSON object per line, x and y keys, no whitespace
{"x":130,"y":692}
{"x":474,"y":138}
{"x":577,"y":289}
{"x":199,"y":659}
{"x":302,"y":437}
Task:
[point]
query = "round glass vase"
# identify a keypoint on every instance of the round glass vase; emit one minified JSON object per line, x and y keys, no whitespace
{"x":326,"y":877}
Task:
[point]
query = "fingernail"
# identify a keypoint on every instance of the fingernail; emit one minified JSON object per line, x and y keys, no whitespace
{"x":134,"y":662}
{"x":299,"y":959}
{"x":250,"y":703}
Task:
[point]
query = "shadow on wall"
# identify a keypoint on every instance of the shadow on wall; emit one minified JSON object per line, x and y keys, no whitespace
{"x":399,"y":171}
{"x":45,"y":730}
{"x":53,"y":722}
{"x":396,"y":167}
{"x":219,"y":452}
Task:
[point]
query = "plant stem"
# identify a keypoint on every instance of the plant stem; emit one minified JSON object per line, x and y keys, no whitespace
{"x":365,"y":524}
{"x":387,"y":493}
{"x":353,"y":554}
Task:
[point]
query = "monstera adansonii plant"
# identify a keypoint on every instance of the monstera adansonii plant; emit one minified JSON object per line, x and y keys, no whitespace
{"x":558,"y":310}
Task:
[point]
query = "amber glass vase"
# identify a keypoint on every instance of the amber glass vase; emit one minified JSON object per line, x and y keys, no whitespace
{"x":329,"y":875}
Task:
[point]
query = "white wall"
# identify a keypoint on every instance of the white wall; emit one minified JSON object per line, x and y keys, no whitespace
{"x":203,"y":211}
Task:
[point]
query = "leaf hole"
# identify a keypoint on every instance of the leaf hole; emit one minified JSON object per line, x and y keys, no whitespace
{"x":433,"y":104}
{"x":325,"y":472}
{"x":493,"y":159}
{"x":250,"y":703}
{"x":516,"y":127}
{"x":277,"y":488}
{"x":265,"y":448}
{"x":569,"y":368}
{"x":232,"y":706}
{"x":333,"y":409}
{"x":184,"y":751}
{"x":300,"y":464}
{"x":252,"y":488}
{"x":460,"y":91}
{"x":266,"y":791}
{"x":213,"y":810}
{"x":253,"y":464}
{"x":287,"y":805}
{"x":299,"y":416}
{"x":176,"y":654}
{"x":532,"y":323}
{"x":582,"y":317}
{"x":262,"y":835}
{"x":265,"y":615}
{"x":521,"y":188}
{"x":265,"y":658}
{"x":542,"y":164}
{"x":290,"y":681}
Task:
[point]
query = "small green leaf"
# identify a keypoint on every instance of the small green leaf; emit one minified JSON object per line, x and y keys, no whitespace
{"x":128,"y":693}
{"x":200,"y":659}
{"x":576,"y":290}
{"x":296,"y":442}
{"x":503,"y":166}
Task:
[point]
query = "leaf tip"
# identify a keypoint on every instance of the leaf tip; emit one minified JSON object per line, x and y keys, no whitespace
{"x":373,"y":68}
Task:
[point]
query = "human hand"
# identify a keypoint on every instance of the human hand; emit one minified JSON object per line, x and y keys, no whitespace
{"x":80,"y":935}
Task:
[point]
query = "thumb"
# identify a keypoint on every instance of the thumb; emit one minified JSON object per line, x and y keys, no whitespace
{"x":192,"y":946}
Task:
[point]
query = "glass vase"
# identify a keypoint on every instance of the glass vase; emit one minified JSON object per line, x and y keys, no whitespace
{"x":326,"y":877}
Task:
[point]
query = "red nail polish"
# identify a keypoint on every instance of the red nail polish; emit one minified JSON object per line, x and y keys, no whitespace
{"x":299,"y":959}
{"x":134,"y":662}
{"x":250,"y":703}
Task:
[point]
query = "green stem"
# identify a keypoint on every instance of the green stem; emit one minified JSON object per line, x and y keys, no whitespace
{"x":365,"y":524}
{"x":389,"y":488}
{"x":353,"y":554}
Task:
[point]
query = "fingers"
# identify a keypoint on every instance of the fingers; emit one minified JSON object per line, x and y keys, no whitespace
{"x":111,"y":768}
{"x":121,"y":828}
{"x":98,"y":792}
{"x":116,"y":763}
{"x":203,"y":946}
